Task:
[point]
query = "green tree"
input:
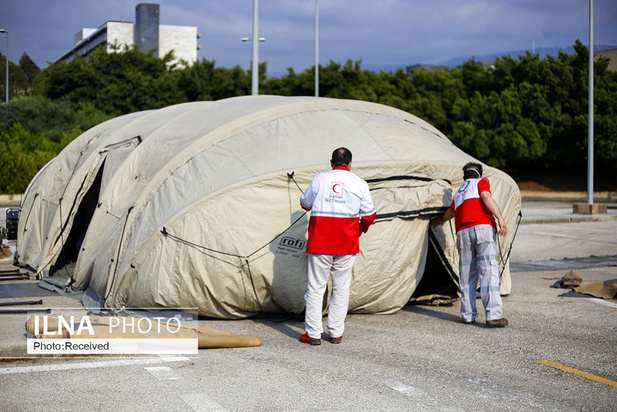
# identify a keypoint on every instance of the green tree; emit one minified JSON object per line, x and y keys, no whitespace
{"x":23,"y":155}
{"x":30,"y":70}
{"x":115,"y":83}
{"x":50,"y":118}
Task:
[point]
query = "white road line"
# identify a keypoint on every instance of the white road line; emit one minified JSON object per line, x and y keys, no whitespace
{"x":420,"y":396}
{"x":200,"y":402}
{"x":89,"y":365}
{"x":406,"y":390}
{"x":163,"y":373}
{"x":603,"y":302}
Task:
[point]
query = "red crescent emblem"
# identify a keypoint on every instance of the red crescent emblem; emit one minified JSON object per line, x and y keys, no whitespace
{"x":336,"y":188}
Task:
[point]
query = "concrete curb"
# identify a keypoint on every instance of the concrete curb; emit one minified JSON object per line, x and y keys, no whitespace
{"x":11,"y":200}
{"x":602,"y":197}
{"x":570,"y":219}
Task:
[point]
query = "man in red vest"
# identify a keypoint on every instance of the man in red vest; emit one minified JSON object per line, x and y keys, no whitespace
{"x":341,"y":208}
{"x":474,"y":211}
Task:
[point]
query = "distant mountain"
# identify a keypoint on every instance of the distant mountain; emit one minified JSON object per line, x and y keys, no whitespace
{"x":489,"y":58}
{"x":542,"y":51}
{"x":381,"y":68}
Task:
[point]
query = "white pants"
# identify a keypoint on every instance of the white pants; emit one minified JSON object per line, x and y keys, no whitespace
{"x":320,"y":267}
{"x":478,"y":258}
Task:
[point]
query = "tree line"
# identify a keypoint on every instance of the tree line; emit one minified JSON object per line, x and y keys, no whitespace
{"x":528,"y":113}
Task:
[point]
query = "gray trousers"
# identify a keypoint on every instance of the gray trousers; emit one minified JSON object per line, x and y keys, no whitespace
{"x":478,"y":259}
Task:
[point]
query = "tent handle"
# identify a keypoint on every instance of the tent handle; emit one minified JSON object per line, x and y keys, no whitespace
{"x":290,"y":176}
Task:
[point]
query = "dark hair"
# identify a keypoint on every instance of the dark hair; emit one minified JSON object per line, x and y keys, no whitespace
{"x":472,"y":170}
{"x":341,"y":157}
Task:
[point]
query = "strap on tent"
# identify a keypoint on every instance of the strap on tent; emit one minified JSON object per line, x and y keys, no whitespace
{"x":504,"y":261}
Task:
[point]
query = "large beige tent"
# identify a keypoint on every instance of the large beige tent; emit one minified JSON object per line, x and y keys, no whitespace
{"x":197,"y":205}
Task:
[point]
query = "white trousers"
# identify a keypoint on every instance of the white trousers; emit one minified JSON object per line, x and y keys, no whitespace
{"x":320,"y":267}
{"x":478,"y":258}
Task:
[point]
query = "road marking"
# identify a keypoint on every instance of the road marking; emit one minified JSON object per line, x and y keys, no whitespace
{"x":603,"y":302}
{"x":200,"y":402}
{"x":420,"y":396}
{"x":89,"y":365}
{"x":579,"y":373}
{"x":163,"y":373}
{"x":406,"y":390}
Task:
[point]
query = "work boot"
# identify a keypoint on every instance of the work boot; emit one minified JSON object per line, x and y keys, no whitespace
{"x":497,"y":323}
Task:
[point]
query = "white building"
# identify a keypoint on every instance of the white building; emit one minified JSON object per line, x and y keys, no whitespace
{"x":146,"y":33}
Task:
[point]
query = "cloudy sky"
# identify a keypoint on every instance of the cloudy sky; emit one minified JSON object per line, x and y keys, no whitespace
{"x":382,"y":33}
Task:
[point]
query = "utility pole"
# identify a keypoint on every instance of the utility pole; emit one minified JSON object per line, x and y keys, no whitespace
{"x":7,"y":64}
{"x":255,"y":82}
{"x":316,"y":48}
{"x":590,"y":121}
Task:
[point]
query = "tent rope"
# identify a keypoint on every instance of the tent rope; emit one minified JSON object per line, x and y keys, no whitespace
{"x":113,"y":279}
{"x":248,"y":267}
{"x":504,"y":261}
{"x":70,"y":275}
{"x":290,"y":176}
{"x":246,"y":258}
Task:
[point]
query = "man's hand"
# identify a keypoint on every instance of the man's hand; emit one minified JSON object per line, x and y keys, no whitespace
{"x":503,"y":229}
{"x":443,"y":218}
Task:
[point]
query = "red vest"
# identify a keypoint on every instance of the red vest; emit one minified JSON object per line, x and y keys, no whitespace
{"x":468,"y":207}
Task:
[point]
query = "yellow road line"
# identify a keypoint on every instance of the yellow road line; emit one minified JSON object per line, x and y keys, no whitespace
{"x":579,"y":373}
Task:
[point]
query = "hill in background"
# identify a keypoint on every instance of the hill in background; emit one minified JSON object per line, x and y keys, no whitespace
{"x":542,"y":51}
{"x":490,"y":57}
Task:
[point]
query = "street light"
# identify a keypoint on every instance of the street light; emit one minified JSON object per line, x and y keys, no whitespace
{"x":255,"y":65}
{"x":316,"y":48}
{"x":256,"y":40}
{"x":7,"y":64}
{"x":590,"y":118}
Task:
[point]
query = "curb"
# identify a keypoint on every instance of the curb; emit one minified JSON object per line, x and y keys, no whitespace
{"x":11,"y":200}
{"x":571,"y":219}
{"x":602,"y":197}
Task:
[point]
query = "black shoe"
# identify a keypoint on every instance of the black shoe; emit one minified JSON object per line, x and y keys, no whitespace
{"x":469,"y":322}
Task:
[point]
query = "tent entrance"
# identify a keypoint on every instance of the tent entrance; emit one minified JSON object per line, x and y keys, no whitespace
{"x":70,"y":250}
{"x":439,"y":283}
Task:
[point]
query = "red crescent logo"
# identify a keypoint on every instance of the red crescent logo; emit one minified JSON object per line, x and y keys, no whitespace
{"x":336,"y":188}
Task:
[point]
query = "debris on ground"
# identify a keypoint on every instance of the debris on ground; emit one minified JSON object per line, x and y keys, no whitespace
{"x":570,"y":280}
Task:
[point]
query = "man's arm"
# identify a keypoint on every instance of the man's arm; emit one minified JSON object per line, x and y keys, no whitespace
{"x":366,"y":221}
{"x":491,"y":205}
{"x":444,"y":218}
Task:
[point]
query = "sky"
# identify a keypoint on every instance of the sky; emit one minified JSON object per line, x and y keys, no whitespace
{"x":383,"y":34}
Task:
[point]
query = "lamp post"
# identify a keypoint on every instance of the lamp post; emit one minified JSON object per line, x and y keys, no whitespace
{"x":316,"y":48}
{"x":590,"y":116}
{"x":7,"y":64}
{"x":256,"y":40}
{"x":255,"y":66}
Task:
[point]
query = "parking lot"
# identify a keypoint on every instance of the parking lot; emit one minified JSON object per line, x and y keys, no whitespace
{"x":558,"y":353}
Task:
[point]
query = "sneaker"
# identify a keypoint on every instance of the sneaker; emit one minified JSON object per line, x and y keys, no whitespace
{"x":469,"y":322}
{"x":497,"y":323}
{"x":311,"y":341}
{"x":336,"y":340}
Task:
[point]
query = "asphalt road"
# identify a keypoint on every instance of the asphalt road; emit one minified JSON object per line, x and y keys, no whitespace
{"x":419,"y":359}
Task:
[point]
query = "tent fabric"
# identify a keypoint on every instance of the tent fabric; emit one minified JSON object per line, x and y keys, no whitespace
{"x":203,"y":209}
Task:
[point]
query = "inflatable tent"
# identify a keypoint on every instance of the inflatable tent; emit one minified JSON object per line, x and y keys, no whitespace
{"x":197,"y":205}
